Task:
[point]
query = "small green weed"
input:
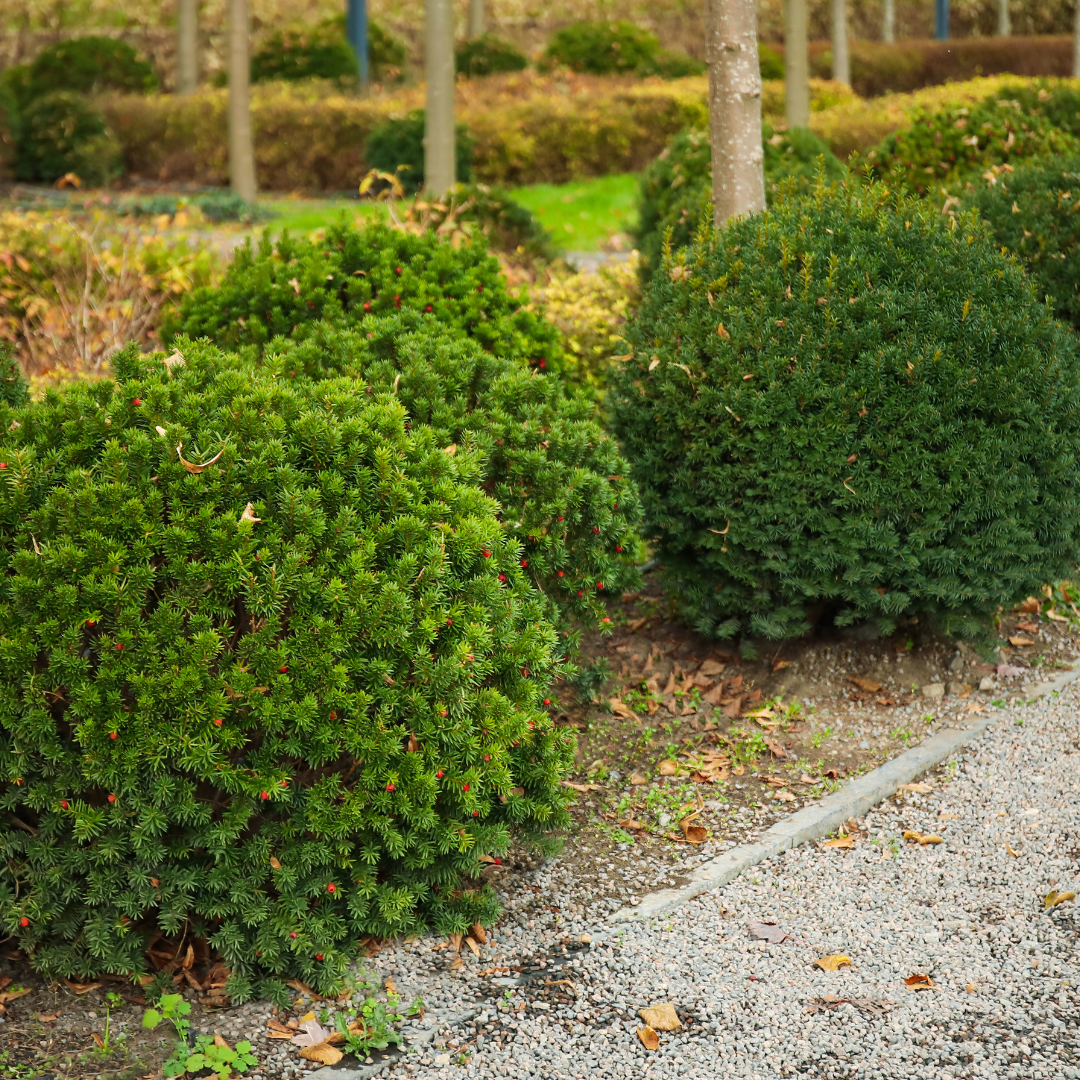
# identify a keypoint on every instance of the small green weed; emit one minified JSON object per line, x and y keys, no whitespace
{"x":820,"y":737}
{"x":372,"y":1028}
{"x":203,"y":1053}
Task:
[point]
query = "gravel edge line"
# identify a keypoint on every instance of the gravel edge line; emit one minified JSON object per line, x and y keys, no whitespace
{"x":824,"y":817}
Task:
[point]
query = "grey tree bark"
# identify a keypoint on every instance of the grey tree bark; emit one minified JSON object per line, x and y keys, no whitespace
{"x":841,"y":67}
{"x":888,"y":21}
{"x":241,"y":145}
{"x":731,"y":50}
{"x":1004,"y":22}
{"x":187,"y":46}
{"x":439,"y":163}
{"x":475,"y":24}
{"x":797,"y":64}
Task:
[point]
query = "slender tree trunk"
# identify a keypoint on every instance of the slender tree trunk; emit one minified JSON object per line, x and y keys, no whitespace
{"x":731,"y":49}
{"x":1076,"y":42}
{"x":797,"y":64}
{"x":187,"y":46}
{"x":241,"y":147}
{"x":475,"y":26}
{"x":439,"y":165}
{"x":888,"y":21}
{"x":841,"y":68}
{"x":1004,"y":22}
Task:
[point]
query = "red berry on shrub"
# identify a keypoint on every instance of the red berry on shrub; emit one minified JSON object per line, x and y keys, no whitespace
{"x":113,"y":735}
{"x":91,"y":622}
{"x":367,"y":305}
{"x":397,"y":301}
{"x":429,"y":308}
{"x":486,"y":553}
{"x":442,"y":712}
{"x":543,"y":362}
{"x":607,"y":620}
{"x":487,"y":757}
{"x":333,"y":716}
{"x":498,"y":861}
{"x":64,"y":803}
{"x":561,"y":574}
{"x":476,"y":813}
{"x":217,"y":723}
{"x":559,"y":518}
{"x":3,"y":464}
{"x":137,"y":401}
{"x":119,"y":647}
{"x":264,"y":794}
{"x":618,"y":547}
{"x":331,"y":887}
{"x":294,"y":934}
{"x":24,"y":921}
{"x":397,"y":269}
{"x":479,"y":288}
{"x":502,"y":579}
{"x":465,"y":787}
{"x":547,"y":701}
{"x":390,"y":786}
{"x":282,"y":670}
{"x":599,"y":584}
{"x":524,"y":562}
{"x":284,"y":783}
{"x":595,"y":529}
{"x":112,"y":797}
{"x":449,"y":622}
{"x":580,"y":593}
{"x":438,"y":775}
{"x":318,"y":956}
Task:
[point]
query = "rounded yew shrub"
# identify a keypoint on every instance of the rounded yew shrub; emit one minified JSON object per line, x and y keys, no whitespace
{"x":851,"y":406}
{"x":271,"y":290}
{"x":271,"y":672}
{"x":1032,"y":212}
{"x":563,"y":486}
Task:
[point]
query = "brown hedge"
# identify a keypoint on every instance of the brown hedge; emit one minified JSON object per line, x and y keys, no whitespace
{"x":528,"y":129}
{"x":878,"y":68}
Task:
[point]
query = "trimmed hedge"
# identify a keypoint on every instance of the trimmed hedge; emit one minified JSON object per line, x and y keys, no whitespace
{"x":59,"y":133}
{"x":851,"y":406}
{"x":284,"y":727}
{"x":488,"y":54}
{"x":618,"y":47}
{"x":676,"y":189}
{"x":1032,"y":212}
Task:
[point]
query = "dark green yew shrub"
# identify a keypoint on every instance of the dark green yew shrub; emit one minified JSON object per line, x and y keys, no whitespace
{"x":488,"y":54}
{"x":1032,"y":211}
{"x":271,"y":672}
{"x":851,"y":405}
{"x":89,"y":65}
{"x":397,"y":146}
{"x":60,"y":133}
{"x":951,"y":148}
{"x":676,"y":189}
{"x":618,"y":47}
{"x":564,"y":488}
{"x":319,"y":52}
{"x":270,"y":290}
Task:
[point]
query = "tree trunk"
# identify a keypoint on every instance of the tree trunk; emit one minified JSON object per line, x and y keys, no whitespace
{"x":241,"y":147}
{"x":356,"y":32}
{"x":439,"y":163}
{"x":941,"y":20}
{"x":1076,"y":42}
{"x":187,"y":46}
{"x":888,"y":21}
{"x":475,"y":27}
{"x":841,"y":69}
{"x":796,"y":64}
{"x":731,"y":49}
{"x":1004,"y":22}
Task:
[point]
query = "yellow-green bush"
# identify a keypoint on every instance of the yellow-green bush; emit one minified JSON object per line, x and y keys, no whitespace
{"x":590,"y":311}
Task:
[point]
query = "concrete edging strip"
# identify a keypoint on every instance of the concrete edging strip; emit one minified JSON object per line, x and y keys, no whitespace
{"x":824,"y":817}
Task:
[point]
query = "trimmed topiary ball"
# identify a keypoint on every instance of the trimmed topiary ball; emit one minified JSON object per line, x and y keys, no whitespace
{"x":89,"y":65}
{"x":60,"y":134}
{"x":676,"y":188}
{"x":1032,"y":212}
{"x":851,"y":407}
{"x":272,"y":673}
{"x":319,"y":52}
{"x":270,"y":290}
{"x":488,"y":54}
{"x":952,"y":147}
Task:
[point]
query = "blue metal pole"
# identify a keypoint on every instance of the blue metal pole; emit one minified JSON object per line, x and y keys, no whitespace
{"x":356,"y":31}
{"x":941,"y":20}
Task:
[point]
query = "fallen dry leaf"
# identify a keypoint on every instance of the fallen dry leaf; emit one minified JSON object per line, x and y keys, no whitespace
{"x":832,"y":963}
{"x":712,"y":667}
{"x":970,"y":988}
{"x":1053,"y":898}
{"x":619,"y":709}
{"x":920,"y":982}
{"x":948,"y":817}
{"x":1030,"y":606}
{"x":1008,"y":848}
{"x":771,"y":933}
{"x":219,"y":1040}
{"x":478,"y":932}
{"x":324,"y":1054}
{"x":580,"y":787}
{"x":177,"y":358}
{"x":311,"y":1032}
{"x":274,"y":863}
{"x":80,"y":988}
{"x":191,"y":466}
{"x":921,"y":788}
{"x":249,"y":514}
{"x":922,"y":838}
{"x":839,"y":842}
{"x":668,"y":768}
{"x":868,"y":685}
{"x":649,"y":1039}
{"x":97,"y":1040}
{"x":473,"y":947}
{"x":637,"y":779}
{"x":662,"y":1017}
{"x":632,"y":824}
{"x":1019,"y":641}
{"x":776,"y":748}
{"x":1029,"y":627}
{"x":451,"y":449}
{"x":695,"y":834}
{"x":1009,"y":671}
{"x":49,"y":1018}
{"x":784,"y":796}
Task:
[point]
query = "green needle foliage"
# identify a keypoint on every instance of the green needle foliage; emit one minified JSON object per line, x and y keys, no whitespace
{"x":271,"y":671}
{"x":271,"y":290}
{"x":851,"y":406}
{"x":953,"y":147}
{"x":1033,"y":213}
{"x":676,"y":189}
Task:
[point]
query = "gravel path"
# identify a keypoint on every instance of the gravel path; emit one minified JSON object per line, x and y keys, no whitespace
{"x":966,"y":912}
